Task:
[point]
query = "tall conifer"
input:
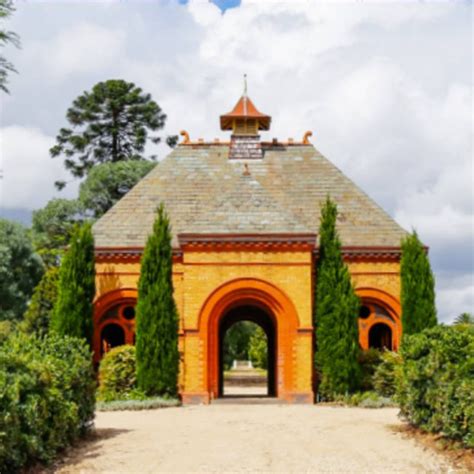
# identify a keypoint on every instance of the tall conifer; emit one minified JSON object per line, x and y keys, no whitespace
{"x":73,"y":310}
{"x":157,"y":317}
{"x":336,"y":313}
{"x":417,"y":292}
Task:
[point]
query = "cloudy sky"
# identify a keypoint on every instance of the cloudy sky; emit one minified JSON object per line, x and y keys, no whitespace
{"x":386,"y":88}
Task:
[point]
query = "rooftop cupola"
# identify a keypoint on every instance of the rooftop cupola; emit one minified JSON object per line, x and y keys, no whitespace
{"x":245,"y":121}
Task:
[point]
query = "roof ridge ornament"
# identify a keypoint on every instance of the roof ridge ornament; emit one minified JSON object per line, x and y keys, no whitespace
{"x":306,"y":136}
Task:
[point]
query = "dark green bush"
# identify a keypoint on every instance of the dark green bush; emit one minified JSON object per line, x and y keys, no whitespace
{"x":117,"y":375}
{"x":385,"y":376}
{"x":46,"y":397}
{"x":368,"y":361}
{"x":435,"y":389}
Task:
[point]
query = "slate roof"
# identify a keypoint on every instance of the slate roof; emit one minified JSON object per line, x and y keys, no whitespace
{"x":205,"y":192}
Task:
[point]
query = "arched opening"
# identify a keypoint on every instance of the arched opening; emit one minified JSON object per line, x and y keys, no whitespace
{"x":111,"y":336}
{"x":380,"y":337}
{"x":246,"y":317}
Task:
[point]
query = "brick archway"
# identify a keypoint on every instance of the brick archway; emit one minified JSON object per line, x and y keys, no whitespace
{"x":273,"y":301}
{"x":389,"y":316}
{"x":122,"y":297}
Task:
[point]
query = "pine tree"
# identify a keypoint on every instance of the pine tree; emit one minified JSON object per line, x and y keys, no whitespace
{"x":417,"y":292}
{"x":336,"y":313}
{"x":157,"y":317}
{"x":73,"y":310}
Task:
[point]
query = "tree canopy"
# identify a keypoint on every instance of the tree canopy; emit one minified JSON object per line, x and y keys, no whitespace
{"x":109,"y":182}
{"x":20,"y":270}
{"x":336,"y":313}
{"x":6,"y":37}
{"x":417,"y":287}
{"x":110,"y":123}
{"x":464,"y":318}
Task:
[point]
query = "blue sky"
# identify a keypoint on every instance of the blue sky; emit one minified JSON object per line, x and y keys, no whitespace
{"x":386,"y":89}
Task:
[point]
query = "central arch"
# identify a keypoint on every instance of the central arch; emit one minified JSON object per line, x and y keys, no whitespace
{"x":269,"y":300}
{"x":267,"y":322}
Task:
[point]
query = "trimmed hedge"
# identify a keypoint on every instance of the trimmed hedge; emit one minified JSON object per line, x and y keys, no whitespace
{"x":117,"y":375}
{"x":47,"y":397}
{"x":436,"y":384}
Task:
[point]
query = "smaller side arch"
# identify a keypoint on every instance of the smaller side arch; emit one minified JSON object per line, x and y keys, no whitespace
{"x":120,"y":298}
{"x":384,"y":309}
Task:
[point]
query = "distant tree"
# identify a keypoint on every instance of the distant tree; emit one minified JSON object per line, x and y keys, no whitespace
{"x":464,"y":318}
{"x":157,"y":316}
{"x":20,"y":270}
{"x":336,"y":313}
{"x":73,"y":309}
{"x":108,"y":124}
{"x":109,"y":182}
{"x":258,"y":348}
{"x":52,"y":227}
{"x":417,"y":287}
{"x":236,"y":342}
{"x":38,"y":314}
{"x":6,"y":37}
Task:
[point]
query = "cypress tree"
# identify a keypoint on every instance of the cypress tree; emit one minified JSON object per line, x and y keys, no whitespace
{"x":157,"y":316}
{"x":73,"y":309}
{"x":336,"y":313}
{"x":417,"y":291}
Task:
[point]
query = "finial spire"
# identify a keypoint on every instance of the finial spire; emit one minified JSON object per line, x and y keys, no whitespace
{"x":245,"y":85}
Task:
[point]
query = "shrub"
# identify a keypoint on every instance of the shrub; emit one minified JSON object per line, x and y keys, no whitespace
{"x":117,"y":375}
{"x":368,"y":399}
{"x":384,"y":378}
{"x":258,"y":348}
{"x":46,"y":397}
{"x":145,"y":404}
{"x":435,"y":389}
{"x":368,"y":361}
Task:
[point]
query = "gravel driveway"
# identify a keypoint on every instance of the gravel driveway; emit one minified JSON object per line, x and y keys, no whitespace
{"x":250,"y":438}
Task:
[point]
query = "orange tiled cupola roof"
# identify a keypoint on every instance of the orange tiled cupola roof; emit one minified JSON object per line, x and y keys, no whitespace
{"x":245,"y":118}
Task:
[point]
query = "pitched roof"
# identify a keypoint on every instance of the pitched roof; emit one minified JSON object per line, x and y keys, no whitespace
{"x":245,"y":109}
{"x":205,"y":192}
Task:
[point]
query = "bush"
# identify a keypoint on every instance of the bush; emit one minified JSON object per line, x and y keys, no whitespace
{"x":145,"y":404}
{"x":258,"y":348}
{"x":385,"y":376}
{"x":365,"y":400}
{"x":46,"y":397}
{"x":435,"y":389}
{"x":368,"y":361}
{"x":117,"y":375}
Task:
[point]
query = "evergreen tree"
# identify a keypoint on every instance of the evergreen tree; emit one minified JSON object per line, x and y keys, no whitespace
{"x":417,"y":292}
{"x":73,"y":310}
{"x":110,"y":123}
{"x":157,"y":316}
{"x":6,"y":37}
{"x":336,"y":313}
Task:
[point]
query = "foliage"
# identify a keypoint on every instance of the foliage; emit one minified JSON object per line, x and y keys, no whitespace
{"x":368,"y":361}
{"x":117,"y":375}
{"x":52,"y":227}
{"x":417,"y":287}
{"x":110,"y":123}
{"x":435,"y":389}
{"x":145,"y":404}
{"x":38,"y":315}
{"x":386,"y":373}
{"x":258,"y":348}
{"x":367,"y":399}
{"x":6,"y":329}
{"x":465,"y":318}
{"x":46,"y":397}
{"x":109,"y":182}
{"x":157,"y":316}
{"x":6,"y":37}
{"x":336,"y":312}
{"x":73,"y":310}
{"x":236,"y":342}
{"x":20,"y":270}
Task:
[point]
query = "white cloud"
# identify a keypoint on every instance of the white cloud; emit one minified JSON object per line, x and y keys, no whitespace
{"x":84,"y":48}
{"x":29,"y":172}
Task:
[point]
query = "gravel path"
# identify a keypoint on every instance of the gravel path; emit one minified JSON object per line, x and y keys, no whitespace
{"x":249,"y":438}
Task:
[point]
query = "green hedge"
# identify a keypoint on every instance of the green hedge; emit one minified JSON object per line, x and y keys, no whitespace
{"x":47,"y":397}
{"x":436,"y":383}
{"x":117,"y":375}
